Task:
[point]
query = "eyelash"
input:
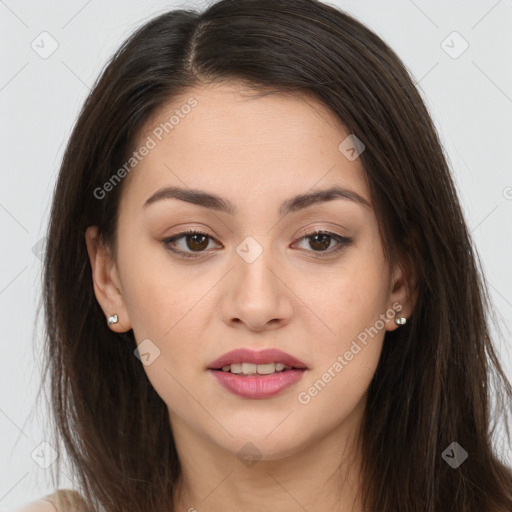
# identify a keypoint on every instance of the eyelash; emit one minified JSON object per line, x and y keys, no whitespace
{"x":342,"y":243}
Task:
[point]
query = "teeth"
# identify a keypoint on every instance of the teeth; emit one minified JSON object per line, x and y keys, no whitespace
{"x":251,"y":368}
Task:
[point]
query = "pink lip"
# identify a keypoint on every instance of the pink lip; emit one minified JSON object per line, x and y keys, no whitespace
{"x":257,"y":386}
{"x":245,"y":355}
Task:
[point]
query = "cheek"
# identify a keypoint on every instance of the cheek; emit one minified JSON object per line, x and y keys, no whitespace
{"x":352,"y":307}
{"x":166,"y":303}
{"x":351,"y":298}
{"x":345,"y":362}
{"x":152,"y":293}
{"x":165,"y":306}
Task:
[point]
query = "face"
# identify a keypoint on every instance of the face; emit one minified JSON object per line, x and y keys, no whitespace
{"x":307,"y":277}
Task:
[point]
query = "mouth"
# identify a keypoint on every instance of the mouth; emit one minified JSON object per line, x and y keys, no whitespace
{"x":246,"y":362}
{"x":246,"y":369}
{"x":257,"y":381}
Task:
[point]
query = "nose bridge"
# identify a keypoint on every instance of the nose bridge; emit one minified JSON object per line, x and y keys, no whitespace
{"x":253,"y":264}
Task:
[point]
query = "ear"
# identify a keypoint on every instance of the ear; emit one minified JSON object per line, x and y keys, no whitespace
{"x":403,"y":294}
{"x":107,"y":286}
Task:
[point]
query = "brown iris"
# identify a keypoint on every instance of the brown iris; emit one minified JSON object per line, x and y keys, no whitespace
{"x":199,"y":241}
{"x":321,"y":245}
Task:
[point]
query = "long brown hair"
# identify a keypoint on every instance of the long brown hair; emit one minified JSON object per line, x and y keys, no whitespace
{"x":437,"y":375}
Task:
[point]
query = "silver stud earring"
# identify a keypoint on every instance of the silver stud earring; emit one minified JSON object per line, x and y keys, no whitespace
{"x":112,"y":319}
{"x":401,"y":320}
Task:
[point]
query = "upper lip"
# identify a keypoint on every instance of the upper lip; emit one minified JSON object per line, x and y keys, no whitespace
{"x":246,"y":355}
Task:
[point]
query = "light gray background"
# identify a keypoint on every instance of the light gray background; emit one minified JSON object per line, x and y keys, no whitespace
{"x":469,"y":97}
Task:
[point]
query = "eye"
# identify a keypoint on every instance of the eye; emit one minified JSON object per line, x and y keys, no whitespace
{"x":196,"y":242}
{"x":320,"y":241}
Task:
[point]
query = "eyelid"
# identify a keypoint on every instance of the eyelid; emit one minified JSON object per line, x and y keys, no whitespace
{"x":315,"y":230}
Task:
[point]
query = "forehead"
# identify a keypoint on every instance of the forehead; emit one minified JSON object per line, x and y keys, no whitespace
{"x":235,"y":141}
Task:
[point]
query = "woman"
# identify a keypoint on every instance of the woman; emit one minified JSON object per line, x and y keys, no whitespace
{"x":260,"y":290}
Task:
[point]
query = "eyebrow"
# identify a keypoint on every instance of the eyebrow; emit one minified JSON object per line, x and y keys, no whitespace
{"x":215,"y":202}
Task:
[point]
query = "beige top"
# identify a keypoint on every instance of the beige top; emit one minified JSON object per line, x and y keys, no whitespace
{"x":66,"y":500}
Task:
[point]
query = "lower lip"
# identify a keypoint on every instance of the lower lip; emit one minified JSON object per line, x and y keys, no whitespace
{"x":257,"y":386}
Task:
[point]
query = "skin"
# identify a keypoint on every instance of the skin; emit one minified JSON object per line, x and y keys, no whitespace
{"x":256,"y":152}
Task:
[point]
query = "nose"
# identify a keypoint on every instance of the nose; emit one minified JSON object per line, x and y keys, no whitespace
{"x":256,"y":294}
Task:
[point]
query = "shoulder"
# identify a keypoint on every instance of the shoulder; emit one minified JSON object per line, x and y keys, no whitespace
{"x":40,"y":505}
{"x":62,"y":500}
